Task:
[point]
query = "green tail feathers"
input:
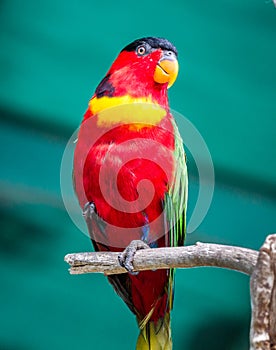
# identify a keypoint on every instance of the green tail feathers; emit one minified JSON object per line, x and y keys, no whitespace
{"x":155,"y":335}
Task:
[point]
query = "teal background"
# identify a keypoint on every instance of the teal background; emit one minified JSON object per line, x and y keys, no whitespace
{"x":53,"y":54}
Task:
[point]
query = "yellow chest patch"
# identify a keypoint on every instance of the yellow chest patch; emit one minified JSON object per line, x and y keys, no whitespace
{"x":126,"y":110}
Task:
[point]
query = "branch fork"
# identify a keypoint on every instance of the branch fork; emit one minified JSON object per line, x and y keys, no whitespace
{"x":260,"y":265}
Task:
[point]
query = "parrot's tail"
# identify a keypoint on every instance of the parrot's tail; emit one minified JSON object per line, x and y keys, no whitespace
{"x":155,"y":335}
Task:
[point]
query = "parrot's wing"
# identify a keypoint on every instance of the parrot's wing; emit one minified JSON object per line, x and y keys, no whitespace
{"x":175,"y":202}
{"x":175,"y":205}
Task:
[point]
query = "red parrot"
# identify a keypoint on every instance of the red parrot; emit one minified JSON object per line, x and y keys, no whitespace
{"x":130,"y":178}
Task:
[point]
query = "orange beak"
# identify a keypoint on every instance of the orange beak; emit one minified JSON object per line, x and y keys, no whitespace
{"x":167,"y":69}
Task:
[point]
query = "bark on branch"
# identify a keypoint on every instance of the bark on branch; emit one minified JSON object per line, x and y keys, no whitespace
{"x":201,"y":254}
{"x":263,"y":298}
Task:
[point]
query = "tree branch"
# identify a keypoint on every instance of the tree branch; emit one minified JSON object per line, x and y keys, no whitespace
{"x":260,"y":265}
{"x":263,"y":298}
{"x":201,"y":254}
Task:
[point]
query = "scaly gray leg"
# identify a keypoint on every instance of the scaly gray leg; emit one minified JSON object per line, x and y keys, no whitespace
{"x":127,"y":256}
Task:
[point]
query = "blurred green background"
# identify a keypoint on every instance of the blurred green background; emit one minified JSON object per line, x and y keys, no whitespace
{"x":53,"y":54}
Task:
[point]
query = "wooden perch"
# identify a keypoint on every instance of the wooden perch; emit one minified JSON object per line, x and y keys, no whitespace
{"x":260,"y":265}
{"x":201,"y":254}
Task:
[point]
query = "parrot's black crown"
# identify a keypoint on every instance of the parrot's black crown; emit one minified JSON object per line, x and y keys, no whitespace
{"x":155,"y":43}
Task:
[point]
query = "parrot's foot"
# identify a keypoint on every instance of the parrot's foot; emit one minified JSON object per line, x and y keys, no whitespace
{"x":127,"y":256}
{"x":89,"y":210}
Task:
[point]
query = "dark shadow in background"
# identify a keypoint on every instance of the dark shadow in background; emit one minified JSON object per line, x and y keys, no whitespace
{"x":4,"y":346}
{"x":220,"y":333}
{"x":19,"y":237}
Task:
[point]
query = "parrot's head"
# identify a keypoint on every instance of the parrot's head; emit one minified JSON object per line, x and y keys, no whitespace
{"x":153,"y":60}
{"x":145,"y":64}
{"x":142,"y":72}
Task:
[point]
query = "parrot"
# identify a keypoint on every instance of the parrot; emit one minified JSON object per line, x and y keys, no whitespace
{"x":130,"y":178}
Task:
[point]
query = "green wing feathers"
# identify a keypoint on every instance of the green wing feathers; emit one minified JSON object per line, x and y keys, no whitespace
{"x":177,"y":195}
{"x":175,"y":206}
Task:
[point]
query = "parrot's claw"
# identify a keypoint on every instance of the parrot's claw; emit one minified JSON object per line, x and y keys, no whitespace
{"x":127,"y":256}
{"x":89,"y":210}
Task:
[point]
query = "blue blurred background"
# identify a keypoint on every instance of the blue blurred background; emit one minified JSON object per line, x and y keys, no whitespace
{"x":53,"y":54}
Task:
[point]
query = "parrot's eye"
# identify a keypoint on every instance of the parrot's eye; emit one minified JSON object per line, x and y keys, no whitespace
{"x":141,"y":50}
